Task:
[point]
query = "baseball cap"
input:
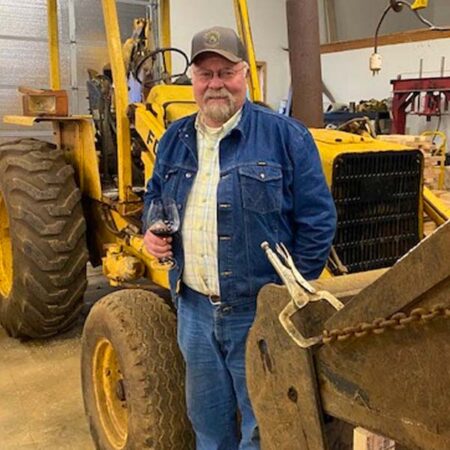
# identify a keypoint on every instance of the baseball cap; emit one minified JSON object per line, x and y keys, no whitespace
{"x":220,"y":40}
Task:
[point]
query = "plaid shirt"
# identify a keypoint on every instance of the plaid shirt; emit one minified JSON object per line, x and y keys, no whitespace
{"x":199,"y":230}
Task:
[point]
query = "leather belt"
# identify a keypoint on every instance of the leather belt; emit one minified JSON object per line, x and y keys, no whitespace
{"x":213,"y":299}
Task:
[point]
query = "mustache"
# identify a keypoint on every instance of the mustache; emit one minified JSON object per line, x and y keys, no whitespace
{"x":210,"y":93}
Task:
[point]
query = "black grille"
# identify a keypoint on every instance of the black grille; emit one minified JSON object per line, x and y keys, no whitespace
{"x":377,"y":201}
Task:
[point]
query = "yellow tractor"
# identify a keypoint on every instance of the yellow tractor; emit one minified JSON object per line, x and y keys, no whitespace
{"x":81,"y":198}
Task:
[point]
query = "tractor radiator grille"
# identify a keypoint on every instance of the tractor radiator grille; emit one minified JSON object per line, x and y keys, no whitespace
{"x":377,"y":198}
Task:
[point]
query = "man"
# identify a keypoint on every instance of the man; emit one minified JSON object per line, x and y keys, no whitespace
{"x":240,"y":174}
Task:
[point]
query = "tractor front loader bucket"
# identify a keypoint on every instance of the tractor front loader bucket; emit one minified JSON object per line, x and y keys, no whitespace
{"x":381,"y":362}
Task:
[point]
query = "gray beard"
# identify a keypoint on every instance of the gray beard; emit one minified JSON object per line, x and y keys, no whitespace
{"x":219,"y":113}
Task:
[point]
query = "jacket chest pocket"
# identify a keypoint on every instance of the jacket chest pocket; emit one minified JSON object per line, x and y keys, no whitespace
{"x":261,"y":188}
{"x":170,"y":182}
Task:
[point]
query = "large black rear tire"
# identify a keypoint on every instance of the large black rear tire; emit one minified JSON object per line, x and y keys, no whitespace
{"x":133,"y":374}
{"x":43,"y":252}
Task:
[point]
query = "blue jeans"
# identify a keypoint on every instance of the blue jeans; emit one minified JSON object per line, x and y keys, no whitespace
{"x":212,"y":340}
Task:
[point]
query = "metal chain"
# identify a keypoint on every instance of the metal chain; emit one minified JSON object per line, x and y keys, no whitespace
{"x":397,"y":321}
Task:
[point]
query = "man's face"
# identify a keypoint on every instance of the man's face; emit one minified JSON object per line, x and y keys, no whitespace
{"x":219,"y":87}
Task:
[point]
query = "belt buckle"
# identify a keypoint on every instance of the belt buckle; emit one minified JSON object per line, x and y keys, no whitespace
{"x":214,"y":299}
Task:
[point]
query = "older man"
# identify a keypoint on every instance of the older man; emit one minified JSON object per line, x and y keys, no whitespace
{"x":240,"y":174}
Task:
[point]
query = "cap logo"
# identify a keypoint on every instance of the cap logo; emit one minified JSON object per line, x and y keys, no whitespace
{"x":212,"y":38}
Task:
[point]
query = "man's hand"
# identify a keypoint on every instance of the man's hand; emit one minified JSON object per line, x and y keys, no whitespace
{"x":158,"y":246}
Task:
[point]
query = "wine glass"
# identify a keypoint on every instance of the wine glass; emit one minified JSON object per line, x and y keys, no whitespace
{"x":163,"y":220}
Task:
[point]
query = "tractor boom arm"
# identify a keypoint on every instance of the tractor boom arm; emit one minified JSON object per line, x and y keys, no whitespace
{"x":383,"y":363}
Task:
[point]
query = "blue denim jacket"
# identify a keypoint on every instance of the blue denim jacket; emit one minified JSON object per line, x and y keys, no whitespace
{"x":271,"y":188}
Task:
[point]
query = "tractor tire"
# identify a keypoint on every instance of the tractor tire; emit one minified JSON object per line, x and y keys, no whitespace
{"x":43,"y":252}
{"x":132,"y":374}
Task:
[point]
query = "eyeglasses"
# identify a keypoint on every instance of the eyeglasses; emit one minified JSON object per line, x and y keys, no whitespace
{"x":227,"y":74}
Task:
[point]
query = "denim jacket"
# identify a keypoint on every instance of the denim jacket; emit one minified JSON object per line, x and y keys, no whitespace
{"x":271,"y":188}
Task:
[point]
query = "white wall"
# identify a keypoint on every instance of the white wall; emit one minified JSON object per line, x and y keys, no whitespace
{"x":348,"y":77}
{"x":358,"y":18}
{"x":24,"y":48}
{"x":268,"y":22}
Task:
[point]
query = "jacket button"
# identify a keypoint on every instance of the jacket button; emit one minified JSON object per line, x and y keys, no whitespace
{"x":262,"y":176}
{"x":188,"y":175}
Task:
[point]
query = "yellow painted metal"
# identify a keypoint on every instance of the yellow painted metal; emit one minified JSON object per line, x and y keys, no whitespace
{"x":150,"y":130}
{"x":166,"y":37}
{"x":157,"y":275}
{"x":20,"y":120}
{"x":419,"y":4}
{"x":167,"y":98}
{"x":107,"y":380}
{"x":77,"y":138}
{"x":132,"y":244}
{"x":120,"y":221}
{"x":245,"y":32}
{"x":53,"y":44}
{"x":121,"y":99}
{"x":332,"y":143}
{"x":6,"y":253}
{"x":151,"y":125}
{"x":119,"y":267}
{"x":436,"y":209}
{"x":29,"y":121}
{"x":148,"y":159}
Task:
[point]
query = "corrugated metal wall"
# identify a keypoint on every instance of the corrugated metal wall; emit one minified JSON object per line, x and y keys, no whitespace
{"x":24,"y":54}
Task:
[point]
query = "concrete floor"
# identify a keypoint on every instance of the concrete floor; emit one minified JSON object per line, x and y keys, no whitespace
{"x":41,"y":406}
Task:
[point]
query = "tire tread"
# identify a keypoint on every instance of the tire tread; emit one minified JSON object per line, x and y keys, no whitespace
{"x":144,"y":327}
{"x":47,"y":231}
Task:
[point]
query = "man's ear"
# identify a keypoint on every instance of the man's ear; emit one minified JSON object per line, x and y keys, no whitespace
{"x":247,"y":70}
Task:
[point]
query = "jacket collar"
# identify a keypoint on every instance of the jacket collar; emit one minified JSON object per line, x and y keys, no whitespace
{"x":187,"y":135}
{"x":243,"y":124}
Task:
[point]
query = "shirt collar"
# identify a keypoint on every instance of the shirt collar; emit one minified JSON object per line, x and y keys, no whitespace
{"x":223,"y":130}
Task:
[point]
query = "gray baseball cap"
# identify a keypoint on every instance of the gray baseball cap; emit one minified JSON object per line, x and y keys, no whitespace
{"x":223,"y":41}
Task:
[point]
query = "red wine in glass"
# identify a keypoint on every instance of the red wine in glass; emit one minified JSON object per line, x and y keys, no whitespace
{"x":162,"y":228}
{"x":163,"y":220}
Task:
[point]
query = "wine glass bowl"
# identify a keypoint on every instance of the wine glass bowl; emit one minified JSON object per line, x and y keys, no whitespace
{"x":163,"y":220}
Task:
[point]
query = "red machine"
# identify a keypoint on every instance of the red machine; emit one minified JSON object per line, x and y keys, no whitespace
{"x":421,"y":96}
